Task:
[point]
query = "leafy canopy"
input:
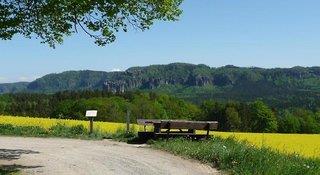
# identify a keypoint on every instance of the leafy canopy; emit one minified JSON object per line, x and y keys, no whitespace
{"x":51,"y":20}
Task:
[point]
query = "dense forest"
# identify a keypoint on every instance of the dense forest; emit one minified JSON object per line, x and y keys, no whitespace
{"x":254,"y":116}
{"x":297,"y":87}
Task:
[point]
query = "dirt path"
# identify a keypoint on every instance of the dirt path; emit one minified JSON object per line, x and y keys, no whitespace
{"x":69,"y":156}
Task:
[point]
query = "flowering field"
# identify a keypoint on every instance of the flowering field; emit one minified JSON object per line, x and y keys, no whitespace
{"x":47,"y":123}
{"x":307,"y":145}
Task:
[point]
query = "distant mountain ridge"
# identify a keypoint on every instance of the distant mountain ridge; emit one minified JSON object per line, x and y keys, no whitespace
{"x":185,"y":80}
{"x":13,"y":87}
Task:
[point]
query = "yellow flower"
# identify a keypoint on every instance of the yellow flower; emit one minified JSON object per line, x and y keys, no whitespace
{"x":307,"y":145}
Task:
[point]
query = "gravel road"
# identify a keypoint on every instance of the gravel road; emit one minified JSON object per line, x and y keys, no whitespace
{"x":52,"y":156}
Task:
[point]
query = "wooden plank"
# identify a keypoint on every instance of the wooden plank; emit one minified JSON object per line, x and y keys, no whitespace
{"x":179,"y":124}
{"x":198,"y":125}
{"x":147,"y":121}
{"x":152,"y":121}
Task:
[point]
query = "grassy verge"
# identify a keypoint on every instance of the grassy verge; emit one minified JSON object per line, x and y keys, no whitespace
{"x":240,"y":158}
{"x":60,"y":130}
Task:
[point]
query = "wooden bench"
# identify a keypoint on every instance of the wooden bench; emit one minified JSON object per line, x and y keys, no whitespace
{"x":176,"y":128}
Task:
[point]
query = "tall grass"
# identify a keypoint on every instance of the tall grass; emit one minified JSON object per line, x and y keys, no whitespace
{"x":240,"y":158}
{"x":61,"y":130}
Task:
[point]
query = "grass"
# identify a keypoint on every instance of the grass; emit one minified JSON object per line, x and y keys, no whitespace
{"x":8,"y":171}
{"x":60,"y":130}
{"x":239,"y":157}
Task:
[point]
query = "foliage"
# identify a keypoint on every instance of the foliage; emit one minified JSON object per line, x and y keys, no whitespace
{"x":254,"y":116}
{"x":299,"y":121}
{"x":9,"y":170}
{"x":259,"y":117}
{"x":111,"y":107}
{"x":234,"y":121}
{"x":289,"y":123}
{"x":51,"y":20}
{"x":240,"y":158}
{"x":263,"y":118}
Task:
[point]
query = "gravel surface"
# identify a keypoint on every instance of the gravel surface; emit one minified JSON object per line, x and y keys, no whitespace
{"x":52,"y":156}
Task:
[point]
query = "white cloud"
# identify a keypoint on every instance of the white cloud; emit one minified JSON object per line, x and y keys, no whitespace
{"x":23,"y":78}
{"x":27,"y":78}
{"x":115,"y":70}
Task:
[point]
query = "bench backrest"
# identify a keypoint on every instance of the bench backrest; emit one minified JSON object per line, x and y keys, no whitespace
{"x":180,"y":124}
{"x":198,"y":125}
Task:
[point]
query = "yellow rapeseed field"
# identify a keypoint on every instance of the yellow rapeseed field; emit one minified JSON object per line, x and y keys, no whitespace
{"x":46,"y":123}
{"x":307,"y":145}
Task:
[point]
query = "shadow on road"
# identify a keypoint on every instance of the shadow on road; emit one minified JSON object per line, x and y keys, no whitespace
{"x":9,"y":169}
{"x":14,"y":154}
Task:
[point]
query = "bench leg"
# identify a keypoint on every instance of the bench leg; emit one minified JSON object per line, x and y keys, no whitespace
{"x":208,"y":132}
{"x":157,"y":128}
{"x":168,"y":133}
{"x":193,"y":131}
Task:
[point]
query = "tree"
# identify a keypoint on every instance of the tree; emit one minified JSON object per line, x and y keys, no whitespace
{"x":214,"y":111}
{"x":233,"y":118}
{"x":51,"y":20}
{"x":308,"y":121}
{"x":289,"y":123}
{"x":263,"y":119}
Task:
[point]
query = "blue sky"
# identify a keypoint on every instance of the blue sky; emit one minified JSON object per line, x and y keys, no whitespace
{"x":264,"y":33}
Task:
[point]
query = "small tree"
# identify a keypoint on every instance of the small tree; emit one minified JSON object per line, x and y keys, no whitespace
{"x":263,"y":119}
{"x":233,"y":118}
{"x":289,"y":123}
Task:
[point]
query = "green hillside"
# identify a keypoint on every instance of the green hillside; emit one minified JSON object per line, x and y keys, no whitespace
{"x":282,"y":87}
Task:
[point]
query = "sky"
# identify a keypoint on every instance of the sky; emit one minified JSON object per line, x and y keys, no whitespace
{"x":264,"y":33}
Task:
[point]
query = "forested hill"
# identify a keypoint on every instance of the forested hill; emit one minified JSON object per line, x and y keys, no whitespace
{"x":282,"y":86}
